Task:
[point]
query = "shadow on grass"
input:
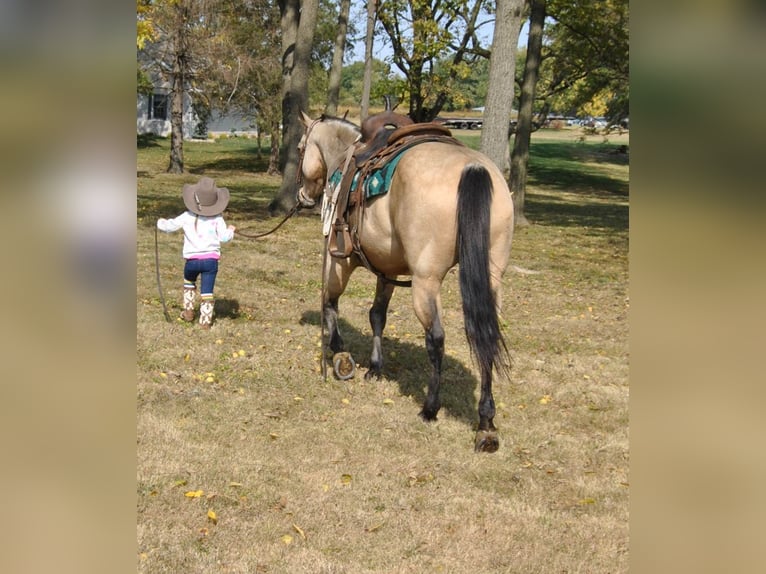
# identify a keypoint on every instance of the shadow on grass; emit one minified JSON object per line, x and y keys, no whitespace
{"x":562,"y":166}
{"x":148,"y":140}
{"x":239,"y":159}
{"x":228,"y":308}
{"x":553,"y":211}
{"x":411,"y":369}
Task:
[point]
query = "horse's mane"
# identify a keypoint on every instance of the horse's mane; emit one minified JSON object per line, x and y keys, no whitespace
{"x":336,"y":119}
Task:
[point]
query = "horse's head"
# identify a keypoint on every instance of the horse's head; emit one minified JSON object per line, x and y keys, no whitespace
{"x":322,"y":149}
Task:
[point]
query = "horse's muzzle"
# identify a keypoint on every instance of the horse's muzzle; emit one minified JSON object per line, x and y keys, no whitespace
{"x":303,"y":199}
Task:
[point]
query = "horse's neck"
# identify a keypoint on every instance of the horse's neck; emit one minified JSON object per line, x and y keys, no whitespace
{"x":336,"y":146}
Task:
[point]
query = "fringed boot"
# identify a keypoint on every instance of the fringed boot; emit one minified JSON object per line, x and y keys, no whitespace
{"x":206,"y":312}
{"x":190,"y":292}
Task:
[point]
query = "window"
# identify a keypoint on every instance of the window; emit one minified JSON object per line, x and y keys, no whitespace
{"x":158,"y":107}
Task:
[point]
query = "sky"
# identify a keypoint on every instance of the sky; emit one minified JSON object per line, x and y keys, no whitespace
{"x":382,"y":51}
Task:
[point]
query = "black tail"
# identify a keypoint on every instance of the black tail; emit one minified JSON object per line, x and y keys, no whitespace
{"x":482,"y":327}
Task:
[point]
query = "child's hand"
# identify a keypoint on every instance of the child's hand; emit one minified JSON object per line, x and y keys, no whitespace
{"x":231,"y":228}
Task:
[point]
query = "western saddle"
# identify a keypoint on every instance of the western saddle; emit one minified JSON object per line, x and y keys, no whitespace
{"x":384,"y":137}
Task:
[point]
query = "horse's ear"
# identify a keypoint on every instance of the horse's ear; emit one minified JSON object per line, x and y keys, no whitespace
{"x":305,"y":119}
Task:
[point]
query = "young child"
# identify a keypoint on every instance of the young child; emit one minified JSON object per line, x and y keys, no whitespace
{"x":204,"y":231}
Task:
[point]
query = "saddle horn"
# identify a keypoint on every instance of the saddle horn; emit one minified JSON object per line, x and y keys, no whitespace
{"x":387,"y":119}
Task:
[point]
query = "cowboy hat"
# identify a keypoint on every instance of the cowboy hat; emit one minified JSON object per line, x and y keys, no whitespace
{"x":204,"y":198}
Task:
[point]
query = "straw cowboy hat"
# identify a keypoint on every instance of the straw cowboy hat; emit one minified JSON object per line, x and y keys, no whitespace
{"x":204,"y":198}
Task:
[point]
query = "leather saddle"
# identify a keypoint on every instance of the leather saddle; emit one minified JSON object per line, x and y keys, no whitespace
{"x":384,"y":136}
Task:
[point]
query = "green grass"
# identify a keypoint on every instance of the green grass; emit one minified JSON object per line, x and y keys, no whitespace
{"x":347,"y":470}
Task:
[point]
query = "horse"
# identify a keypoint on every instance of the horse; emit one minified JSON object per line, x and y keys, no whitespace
{"x":446,"y":205}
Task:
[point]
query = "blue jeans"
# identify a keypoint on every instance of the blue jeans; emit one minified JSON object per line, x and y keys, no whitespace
{"x":208,"y":268}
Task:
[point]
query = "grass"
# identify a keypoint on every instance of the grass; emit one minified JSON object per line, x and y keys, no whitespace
{"x":307,"y":475}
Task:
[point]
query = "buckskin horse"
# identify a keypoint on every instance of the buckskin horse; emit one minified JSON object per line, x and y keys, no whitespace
{"x":445,"y":204}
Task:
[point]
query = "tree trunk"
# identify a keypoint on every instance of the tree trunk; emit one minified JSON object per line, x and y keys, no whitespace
{"x":520,"y":154}
{"x":296,"y":100}
{"x":273,"y":168}
{"x":368,"y":43}
{"x":502,"y":69}
{"x":176,"y":164}
{"x":333,"y":90}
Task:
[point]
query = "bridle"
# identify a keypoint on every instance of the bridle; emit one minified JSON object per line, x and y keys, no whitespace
{"x":301,"y":154}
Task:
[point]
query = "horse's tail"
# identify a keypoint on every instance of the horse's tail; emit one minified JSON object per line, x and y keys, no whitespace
{"x":482,"y":326}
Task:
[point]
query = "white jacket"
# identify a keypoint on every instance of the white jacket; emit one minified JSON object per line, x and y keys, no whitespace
{"x":202,"y":235}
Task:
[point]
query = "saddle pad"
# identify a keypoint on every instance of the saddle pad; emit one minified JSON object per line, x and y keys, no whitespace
{"x":377,"y":182}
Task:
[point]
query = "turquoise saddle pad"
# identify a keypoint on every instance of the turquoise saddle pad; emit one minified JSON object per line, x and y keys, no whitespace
{"x":377,"y":182}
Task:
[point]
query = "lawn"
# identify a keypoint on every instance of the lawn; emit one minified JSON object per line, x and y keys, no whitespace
{"x":249,"y":461}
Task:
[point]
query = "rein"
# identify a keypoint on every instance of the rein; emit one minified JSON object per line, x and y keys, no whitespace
{"x":290,"y":213}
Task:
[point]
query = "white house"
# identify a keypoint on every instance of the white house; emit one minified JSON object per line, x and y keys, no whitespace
{"x":153,"y":117}
{"x":153,"y":113}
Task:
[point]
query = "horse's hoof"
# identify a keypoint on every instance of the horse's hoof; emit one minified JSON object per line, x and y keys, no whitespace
{"x":486,"y":441}
{"x":343,"y":365}
{"x":372,"y":375}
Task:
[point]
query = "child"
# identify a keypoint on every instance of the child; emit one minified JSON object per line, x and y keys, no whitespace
{"x":204,"y":231}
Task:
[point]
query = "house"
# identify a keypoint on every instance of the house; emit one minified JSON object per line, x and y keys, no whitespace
{"x":153,"y":113}
{"x":153,"y":117}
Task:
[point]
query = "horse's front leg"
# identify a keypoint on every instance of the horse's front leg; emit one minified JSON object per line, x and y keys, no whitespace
{"x":337,"y":274}
{"x":331,"y":324}
{"x":378,"y":314}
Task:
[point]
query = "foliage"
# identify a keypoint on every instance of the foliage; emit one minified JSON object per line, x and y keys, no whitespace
{"x":586,"y":58}
{"x":383,"y":82}
{"x":433,"y":45}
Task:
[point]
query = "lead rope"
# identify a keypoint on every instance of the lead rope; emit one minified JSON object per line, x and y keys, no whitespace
{"x":290,"y":213}
{"x":321,"y":306}
{"x":159,"y":284}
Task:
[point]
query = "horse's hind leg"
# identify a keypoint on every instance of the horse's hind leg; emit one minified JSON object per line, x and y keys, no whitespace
{"x":427,"y":305}
{"x":378,"y":312}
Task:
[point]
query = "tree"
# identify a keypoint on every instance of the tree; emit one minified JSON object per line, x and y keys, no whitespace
{"x":244,"y":74}
{"x":502,"y":65}
{"x":586,"y":54}
{"x":423,"y":33}
{"x":368,"y":42}
{"x":333,"y":90}
{"x":299,"y":18}
{"x":173,"y":38}
{"x":522,"y":137}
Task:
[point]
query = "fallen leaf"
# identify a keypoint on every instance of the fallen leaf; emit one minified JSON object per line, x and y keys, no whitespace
{"x":212,"y":517}
{"x":345,"y":478}
{"x":235,"y":484}
{"x":345,"y":401}
{"x":194,"y":493}
{"x":299,"y":530}
{"x":545,"y":399}
{"x":287,"y":539}
{"x":376,"y":527}
{"x":388,"y":402}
